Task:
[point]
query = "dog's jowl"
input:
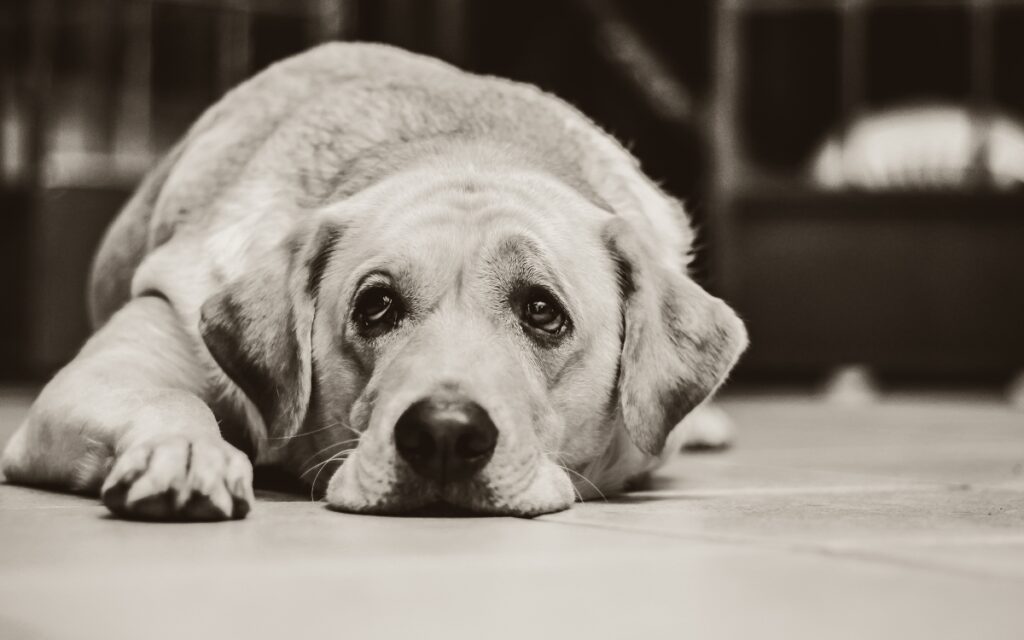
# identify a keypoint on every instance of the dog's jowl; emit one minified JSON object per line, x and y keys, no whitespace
{"x":404,"y":284}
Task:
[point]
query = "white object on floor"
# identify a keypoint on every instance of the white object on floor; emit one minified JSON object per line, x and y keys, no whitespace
{"x":707,"y":427}
{"x":851,"y":385}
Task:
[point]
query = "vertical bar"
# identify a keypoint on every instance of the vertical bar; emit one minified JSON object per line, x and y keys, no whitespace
{"x":450,"y":30}
{"x":727,"y":169}
{"x":853,"y":74}
{"x":133,"y":145}
{"x":330,"y":20}
{"x":43,"y":16}
{"x":16,"y":183}
{"x":12,"y":111}
{"x":726,"y":89}
{"x":982,"y":78}
{"x":234,"y":43}
{"x":348,"y":12}
{"x":102,"y":78}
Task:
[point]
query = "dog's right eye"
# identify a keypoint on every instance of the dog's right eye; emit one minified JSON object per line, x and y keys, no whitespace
{"x":377,"y":311}
{"x":542,"y":314}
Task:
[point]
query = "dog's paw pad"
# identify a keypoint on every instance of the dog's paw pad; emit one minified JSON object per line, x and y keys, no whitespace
{"x":178,"y":478}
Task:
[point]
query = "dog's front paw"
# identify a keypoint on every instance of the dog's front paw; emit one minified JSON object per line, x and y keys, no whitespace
{"x":179,"y":478}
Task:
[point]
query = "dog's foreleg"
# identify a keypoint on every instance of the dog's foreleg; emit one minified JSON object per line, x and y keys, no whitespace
{"x":127,"y":419}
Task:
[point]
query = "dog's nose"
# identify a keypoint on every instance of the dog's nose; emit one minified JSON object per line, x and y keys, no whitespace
{"x":445,"y":439}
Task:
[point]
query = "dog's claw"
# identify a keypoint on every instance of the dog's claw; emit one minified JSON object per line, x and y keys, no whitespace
{"x":178,"y":478}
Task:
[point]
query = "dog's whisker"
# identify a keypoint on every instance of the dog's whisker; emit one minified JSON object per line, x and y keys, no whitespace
{"x":576,"y":492}
{"x":327,"y":448}
{"x":319,"y":465}
{"x":585,"y":479}
{"x":333,"y":425}
{"x":358,"y":433}
{"x":333,"y":445}
{"x":557,"y":459}
{"x":323,"y":465}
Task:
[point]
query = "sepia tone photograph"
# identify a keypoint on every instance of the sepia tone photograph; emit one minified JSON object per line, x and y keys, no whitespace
{"x":512,"y":319}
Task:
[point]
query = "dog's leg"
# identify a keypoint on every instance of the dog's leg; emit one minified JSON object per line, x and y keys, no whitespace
{"x":127,"y":418}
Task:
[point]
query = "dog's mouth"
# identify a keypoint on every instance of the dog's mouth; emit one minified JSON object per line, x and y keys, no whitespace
{"x":443,"y":509}
{"x":411,"y":496}
{"x":368,"y":486}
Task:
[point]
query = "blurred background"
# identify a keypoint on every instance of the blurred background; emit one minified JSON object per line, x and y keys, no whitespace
{"x":855,"y":167}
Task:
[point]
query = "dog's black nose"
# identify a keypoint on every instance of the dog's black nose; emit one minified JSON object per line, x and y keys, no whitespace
{"x":445,"y":439}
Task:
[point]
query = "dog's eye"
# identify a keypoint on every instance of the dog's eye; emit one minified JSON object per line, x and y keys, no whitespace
{"x":377,"y":311}
{"x":540,"y":311}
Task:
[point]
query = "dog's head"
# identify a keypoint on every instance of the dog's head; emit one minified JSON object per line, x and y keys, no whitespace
{"x":469,"y":338}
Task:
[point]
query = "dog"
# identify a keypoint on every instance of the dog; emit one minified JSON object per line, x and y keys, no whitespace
{"x":406,"y":285}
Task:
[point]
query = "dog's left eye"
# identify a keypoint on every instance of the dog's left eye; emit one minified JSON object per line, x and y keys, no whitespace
{"x":540,"y":311}
{"x":377,"y":311}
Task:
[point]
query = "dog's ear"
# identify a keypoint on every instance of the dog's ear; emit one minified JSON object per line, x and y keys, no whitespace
{"x":679,"y":342}
{"x":258,"y":328}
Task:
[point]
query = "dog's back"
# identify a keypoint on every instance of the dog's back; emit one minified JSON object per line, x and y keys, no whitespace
{"x":241,"y":122}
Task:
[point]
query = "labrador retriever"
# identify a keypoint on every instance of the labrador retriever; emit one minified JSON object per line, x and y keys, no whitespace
{"x":404,"y":284}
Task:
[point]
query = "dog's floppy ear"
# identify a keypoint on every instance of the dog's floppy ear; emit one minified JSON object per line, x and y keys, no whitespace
{"x":258,"y":327}
{"x":679,"y":342}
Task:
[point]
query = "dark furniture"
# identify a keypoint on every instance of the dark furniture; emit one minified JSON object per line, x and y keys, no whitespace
{"x":925,"y":284}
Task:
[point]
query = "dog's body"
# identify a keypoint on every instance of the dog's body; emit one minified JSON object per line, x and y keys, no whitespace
{"x":360,"y":252}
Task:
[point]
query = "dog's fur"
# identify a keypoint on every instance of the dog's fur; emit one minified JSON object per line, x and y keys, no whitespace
{"x":222,"y":294}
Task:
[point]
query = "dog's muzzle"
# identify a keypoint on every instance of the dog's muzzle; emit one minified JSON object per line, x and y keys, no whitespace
{"x":445,"y":439}
{"x":446,"y":451}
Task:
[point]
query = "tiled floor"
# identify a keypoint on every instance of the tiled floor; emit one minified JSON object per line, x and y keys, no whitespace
{"x":901,"y":520}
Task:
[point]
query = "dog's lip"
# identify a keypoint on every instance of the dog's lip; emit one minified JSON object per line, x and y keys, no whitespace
{"x":444,"y":501}
{"x":444,"y":509}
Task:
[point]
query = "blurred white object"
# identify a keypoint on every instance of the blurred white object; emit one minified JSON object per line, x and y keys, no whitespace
{"x":851,"y":385}
{"x":929,"y":147}
{"x":707,"y":427}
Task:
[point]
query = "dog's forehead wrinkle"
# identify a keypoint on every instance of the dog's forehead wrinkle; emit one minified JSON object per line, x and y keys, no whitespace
{"x":474,"y":182}
{"x":443,"y":252}
{"x":525,"y":253}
